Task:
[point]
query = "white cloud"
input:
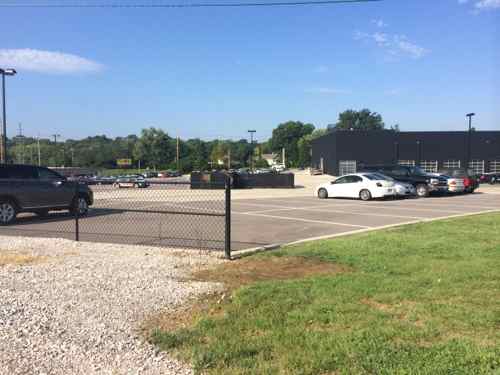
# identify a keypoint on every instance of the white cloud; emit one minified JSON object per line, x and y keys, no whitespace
{"x":393,"y":44}
{"x":488,"y":4}
{"x":46,"y":61}
{"x":480,"y":5}
{"x":379,"y":23}
{"x":327,"y":91}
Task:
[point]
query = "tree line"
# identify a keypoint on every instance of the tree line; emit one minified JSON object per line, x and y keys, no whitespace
{"x":155,"y":149}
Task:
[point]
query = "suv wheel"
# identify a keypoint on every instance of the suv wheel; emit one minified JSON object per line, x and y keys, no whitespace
{"x":365,"y":195}
{"x":80,"y":206}
{"x":422,"y":191}
{"x":322,"y":194}
{"x":8,"y":212}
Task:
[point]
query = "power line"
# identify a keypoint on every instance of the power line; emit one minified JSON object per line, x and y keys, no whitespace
{"x":187,"y":5}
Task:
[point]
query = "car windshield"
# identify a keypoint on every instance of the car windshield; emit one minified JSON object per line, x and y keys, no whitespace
{"x":418,"y":171}
{"x":375,"y":177}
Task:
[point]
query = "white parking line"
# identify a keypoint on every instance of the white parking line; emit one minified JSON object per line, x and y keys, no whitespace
{"x":398,"y":207}
{"x":308,"y":220}
{"x":321,"y":209}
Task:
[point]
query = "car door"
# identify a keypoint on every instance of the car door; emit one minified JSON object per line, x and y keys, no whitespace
{"x":22,"y":184}
{"x":54,"y":189}
{"x":354,"y":186}
{"x":344,"y":186}
{"x":337,"y":187}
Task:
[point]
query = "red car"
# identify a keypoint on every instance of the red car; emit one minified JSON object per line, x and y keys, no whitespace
{"x":471,"y":183}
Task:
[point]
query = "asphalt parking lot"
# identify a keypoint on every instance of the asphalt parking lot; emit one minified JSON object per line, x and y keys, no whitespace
{"x":264,"y":222}
{"x":257,"y":222}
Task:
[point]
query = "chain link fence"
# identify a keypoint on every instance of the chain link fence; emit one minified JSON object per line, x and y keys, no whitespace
{"x":161,"y":213}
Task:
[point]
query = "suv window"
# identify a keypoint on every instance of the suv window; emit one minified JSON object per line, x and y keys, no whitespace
{"x":47,"y":174}
{"x":399,"y":171}
{"x":21,"y":172}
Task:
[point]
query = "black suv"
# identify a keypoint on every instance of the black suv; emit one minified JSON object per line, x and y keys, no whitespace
{"x":26,"y":188}
{"x":424,"y":183}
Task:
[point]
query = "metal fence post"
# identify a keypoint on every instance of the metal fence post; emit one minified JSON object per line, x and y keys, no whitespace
{"x":77,"y":213}
{"x":227,"y":246}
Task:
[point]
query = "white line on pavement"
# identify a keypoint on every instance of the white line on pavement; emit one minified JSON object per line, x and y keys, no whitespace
{"x":308,"y":220}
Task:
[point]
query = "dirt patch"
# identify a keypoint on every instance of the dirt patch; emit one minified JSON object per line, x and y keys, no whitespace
{"x":233,"y":275}
{"x":19,"y":259}
{"x":248,"y":270}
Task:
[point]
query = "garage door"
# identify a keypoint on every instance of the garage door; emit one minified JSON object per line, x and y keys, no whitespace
{"x":347,"y":167}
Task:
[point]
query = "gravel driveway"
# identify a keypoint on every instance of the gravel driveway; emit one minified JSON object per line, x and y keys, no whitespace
{"x":77,"y":309}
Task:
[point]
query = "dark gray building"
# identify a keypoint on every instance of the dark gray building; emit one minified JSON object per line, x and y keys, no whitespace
{"x":341,"y":152}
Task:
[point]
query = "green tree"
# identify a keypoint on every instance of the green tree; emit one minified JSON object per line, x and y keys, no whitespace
{"x":287,"y":136}
{"x":358,"y":120}
{"x":154,"y":148}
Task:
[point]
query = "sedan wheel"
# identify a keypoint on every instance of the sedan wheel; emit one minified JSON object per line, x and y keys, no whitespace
{"x":365,"y":195}
{"x":322,"y":194}
{"x":422,"y":191}
{"x":7,"y":213}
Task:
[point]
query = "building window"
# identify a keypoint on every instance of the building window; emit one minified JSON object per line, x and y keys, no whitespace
{"x":495,"y":166}
{"x":430,"y":166}
{"x":477,"y":166}
{"x":407,"y":163}
{"x":347,"y":167}
{"x":451,"y":164}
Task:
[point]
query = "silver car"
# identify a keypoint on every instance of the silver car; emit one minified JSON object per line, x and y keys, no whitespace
{"x":402,"y":189}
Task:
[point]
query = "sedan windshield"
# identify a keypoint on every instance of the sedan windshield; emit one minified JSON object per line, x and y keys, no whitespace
{"x":375,"y":177}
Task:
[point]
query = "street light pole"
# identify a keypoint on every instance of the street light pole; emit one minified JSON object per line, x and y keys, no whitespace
{"x":469,"y":139}
{"x":3,"y":144}
{"x":252,"y":132}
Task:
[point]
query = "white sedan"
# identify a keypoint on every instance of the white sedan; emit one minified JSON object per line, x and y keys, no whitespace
{"x":364,"y":186}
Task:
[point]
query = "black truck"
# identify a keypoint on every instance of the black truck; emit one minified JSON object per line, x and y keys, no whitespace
{"x":26,"y":188}
{"x":424,"y":183}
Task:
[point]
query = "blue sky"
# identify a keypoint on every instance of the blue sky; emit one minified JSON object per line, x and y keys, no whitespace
{"x":217,"y":72}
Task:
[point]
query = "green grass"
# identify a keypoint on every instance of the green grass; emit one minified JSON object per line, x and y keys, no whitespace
{"x":421,"y":299}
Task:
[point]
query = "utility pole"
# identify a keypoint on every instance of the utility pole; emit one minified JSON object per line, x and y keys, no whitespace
{"x":228,"y":159}
{"x":55,"y":146}
{"x":39,"y":154}
{"x":283,"y":155}
{"x":21,"y":140}
{"x":469,"y":139}
{"x":3,"y":143}
{"x":178,"y":154}
{"x":252,"y":132}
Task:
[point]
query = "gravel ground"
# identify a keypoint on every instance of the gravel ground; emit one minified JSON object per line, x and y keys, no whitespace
{"x":78,"y":310}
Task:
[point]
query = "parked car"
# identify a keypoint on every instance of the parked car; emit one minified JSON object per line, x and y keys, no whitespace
{"x":150,"y":174}
{"x":471,"y":183}
{"x":104,"y":180}
{"x":455,"y":185}
{"x":402,"y":189}
{"x":263,"y":171}
{"x":278,"y":168}
{"x":169,"y":173}
{"x":424,"y":183}
{"x":133,"y":181}
{"x":489,"y":178}
{"x":26,"y":188}
{"x":364,"y":186}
